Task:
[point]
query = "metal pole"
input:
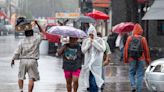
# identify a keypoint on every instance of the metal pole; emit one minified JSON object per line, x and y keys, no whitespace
{"x":147,"y":31}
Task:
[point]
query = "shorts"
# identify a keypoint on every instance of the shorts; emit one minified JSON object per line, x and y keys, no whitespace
{"x":69,"y":73}
{"x":29,"y":66}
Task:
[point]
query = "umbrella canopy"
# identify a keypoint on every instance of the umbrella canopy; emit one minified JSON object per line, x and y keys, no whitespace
{"x":67,"y":31}
{"x":52,"y":37}
{"x":85,"y":19}
{"x":123,"y":27}
{"x":98,"y":15}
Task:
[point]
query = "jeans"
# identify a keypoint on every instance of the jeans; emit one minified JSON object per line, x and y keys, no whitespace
{"x":92,"y":83}
{"x":121,"y":54}
{"x":136,"y":74}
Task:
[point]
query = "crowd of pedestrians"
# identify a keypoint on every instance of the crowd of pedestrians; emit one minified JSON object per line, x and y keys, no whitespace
{"x":83,"y":62}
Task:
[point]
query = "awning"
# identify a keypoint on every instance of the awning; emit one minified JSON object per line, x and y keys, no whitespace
{"x":156,"y":11}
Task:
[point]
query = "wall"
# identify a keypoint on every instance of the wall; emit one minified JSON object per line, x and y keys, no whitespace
{"x":118,"y":11}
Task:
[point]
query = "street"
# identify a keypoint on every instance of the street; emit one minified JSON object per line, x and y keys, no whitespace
{"x":50,"y":68}
{"x":51,"y":73}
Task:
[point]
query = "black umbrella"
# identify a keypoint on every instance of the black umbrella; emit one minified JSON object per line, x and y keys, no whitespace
{"x":85,"y":19}
{"x":21,"y":21}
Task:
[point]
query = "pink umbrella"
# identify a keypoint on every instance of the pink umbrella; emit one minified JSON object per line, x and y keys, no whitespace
{"x":123,"y":27}
{"x":98,"y":15}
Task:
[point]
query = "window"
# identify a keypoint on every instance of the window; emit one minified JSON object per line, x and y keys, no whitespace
{"x":159,"y":68}
{"x":160,"y":29}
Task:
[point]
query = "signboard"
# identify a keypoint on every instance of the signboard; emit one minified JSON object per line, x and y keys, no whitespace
{"x":50,"y":20}
{"x":101,"y":3}
{"x":67,"y":15}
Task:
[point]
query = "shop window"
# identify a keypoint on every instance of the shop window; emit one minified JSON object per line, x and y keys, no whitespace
{"x":160,"y":30}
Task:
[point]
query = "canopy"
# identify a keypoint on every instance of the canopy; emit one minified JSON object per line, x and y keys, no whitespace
{"x":156,"y":11}
{"x":98,"y":15}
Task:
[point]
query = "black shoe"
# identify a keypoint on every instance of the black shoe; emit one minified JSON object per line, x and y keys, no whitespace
{"x":134,"y":90}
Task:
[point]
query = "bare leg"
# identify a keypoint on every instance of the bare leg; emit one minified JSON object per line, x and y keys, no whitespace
{"x":69,"y":84}
{"x":75,"y":83}
{"x":20,"y":82}
{"x":30,"y":85}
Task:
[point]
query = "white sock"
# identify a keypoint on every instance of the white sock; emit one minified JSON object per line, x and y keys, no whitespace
{"x":21,"y":89}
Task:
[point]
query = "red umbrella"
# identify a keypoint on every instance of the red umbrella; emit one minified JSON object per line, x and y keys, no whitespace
{"x":123,"y":27}
{"x":98,"y":15}
{"x":52,"y":38}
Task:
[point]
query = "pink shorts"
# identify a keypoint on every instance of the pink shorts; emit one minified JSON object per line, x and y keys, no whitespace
{"x":69,"y":74}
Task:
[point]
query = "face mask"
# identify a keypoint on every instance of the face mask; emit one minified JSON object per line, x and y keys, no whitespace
{"x":29,"y":33}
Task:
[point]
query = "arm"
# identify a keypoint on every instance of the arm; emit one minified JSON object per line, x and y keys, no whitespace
{"x":146,"y":50}
{"x":16,"y":54}
{"x":86,"y":45}
{"x":108,"y":55}
{"x":107,"y":60}
{"x":40,"y":28}
{"x":126,"y":50}
{"x":99,"y":45}
{"x":61,"y":50}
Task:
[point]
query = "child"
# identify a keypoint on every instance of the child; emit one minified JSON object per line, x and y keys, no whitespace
{"x":72,"y":61}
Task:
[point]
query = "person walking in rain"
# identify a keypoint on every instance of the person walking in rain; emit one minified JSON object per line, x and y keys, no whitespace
{"x":72,"y":61}
{"x":28,"y":54}
{"x":106,"y":57}
{"x":93,"y":48}
{"x":136,"y":53}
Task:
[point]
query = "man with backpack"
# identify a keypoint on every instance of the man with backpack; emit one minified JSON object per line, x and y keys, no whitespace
{"x":136,"y":53}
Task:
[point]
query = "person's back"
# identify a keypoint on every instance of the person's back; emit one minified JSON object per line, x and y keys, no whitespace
{"x":136,"y":62}
{"x":30,"y":47}
{"x":28,"y":54}
{"x":111,"y":41}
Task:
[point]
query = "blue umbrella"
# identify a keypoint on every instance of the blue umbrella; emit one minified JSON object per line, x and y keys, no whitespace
{"x":67,"y":31}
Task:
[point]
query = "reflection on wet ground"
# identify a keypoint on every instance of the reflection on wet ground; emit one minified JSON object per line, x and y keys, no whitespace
{"x":116,"y":79}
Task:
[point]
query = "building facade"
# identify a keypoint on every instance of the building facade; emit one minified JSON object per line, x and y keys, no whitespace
{"x":47,"y":8}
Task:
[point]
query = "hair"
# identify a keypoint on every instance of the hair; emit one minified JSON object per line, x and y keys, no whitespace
{"x":99,"y":34}
{"x":29,"y":33}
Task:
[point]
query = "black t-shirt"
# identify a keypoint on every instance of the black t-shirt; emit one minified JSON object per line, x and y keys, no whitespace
{"x":72,"y":57}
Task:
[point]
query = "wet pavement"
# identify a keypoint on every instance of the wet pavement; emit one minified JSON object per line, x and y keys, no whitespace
{"x":51,"y":73}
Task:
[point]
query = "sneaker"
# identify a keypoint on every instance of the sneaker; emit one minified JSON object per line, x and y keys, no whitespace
{"x":134,"y":90}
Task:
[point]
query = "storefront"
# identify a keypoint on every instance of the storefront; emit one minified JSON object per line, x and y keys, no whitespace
{"x":154,"y":27}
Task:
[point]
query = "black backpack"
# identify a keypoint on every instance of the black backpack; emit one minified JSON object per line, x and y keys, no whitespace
{"x":135,"y":49}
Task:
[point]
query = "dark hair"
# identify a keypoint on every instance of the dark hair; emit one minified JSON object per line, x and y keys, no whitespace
{"x":99,"y":34}
{"x":29,"y":33}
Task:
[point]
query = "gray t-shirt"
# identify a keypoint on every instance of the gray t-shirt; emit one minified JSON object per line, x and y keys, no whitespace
{"x":28,"y":48}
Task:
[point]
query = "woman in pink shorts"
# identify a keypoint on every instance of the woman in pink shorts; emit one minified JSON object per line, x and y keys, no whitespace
{"x":72,"y":61}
